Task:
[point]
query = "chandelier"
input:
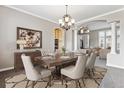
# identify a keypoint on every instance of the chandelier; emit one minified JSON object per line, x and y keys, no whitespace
{"x":66,"y":22}
{"x":83,"y":30}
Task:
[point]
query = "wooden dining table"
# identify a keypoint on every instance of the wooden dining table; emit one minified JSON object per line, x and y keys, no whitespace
{"x":49,"y":61}
{"x":57,"y":62}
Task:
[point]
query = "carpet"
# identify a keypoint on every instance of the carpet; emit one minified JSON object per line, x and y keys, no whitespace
{"x":20,"y":81}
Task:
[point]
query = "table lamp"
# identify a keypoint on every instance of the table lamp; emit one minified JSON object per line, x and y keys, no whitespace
{"x":21,"y":43}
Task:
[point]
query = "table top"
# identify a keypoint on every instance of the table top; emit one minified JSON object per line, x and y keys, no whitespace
{"x":52,"y":61}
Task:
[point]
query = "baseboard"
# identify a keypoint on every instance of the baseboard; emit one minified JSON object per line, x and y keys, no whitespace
{"x":5,"y":69}
{"x":116,"y":66}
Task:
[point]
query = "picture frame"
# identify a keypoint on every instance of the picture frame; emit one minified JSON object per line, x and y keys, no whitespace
{"x":28,"y":38}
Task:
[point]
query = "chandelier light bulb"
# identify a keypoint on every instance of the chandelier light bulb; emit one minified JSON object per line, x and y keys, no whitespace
{"x":82,"y":31}
{"x":66,"y":19}
{"x":73,"y":21}
{"x":88,"y":31}
{"x":69,"y":23}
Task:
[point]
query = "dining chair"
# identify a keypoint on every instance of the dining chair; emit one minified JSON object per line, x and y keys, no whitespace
{"x":34,"y":73}
{"x":90,"y":63}
{"x":75,"y":72}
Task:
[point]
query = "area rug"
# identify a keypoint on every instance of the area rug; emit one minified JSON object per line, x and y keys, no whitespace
{"x":20,"y":81}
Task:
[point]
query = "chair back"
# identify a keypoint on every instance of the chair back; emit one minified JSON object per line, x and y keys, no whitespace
{"x":91,"y":61}
{"x":31,"y":72}
{"x":80,"y":66}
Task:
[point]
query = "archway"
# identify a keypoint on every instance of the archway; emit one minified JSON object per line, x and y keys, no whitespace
{"x":59,"y":38}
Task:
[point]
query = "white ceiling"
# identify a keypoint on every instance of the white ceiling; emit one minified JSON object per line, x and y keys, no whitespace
{"x":55,"y":12}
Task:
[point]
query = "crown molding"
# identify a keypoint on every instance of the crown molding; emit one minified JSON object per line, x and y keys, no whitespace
{"x":77,"y":23}
{"x":101,"y":15}
{"x":114,"y":21}
{"x":29,"y":13}
{"x":104,"y":29}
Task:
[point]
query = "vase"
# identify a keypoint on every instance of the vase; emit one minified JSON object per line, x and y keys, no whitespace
{"x":63,"y":53}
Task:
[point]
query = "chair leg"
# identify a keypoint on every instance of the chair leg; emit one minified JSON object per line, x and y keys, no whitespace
{"x":88,"y":72}
{"x":83,"y":82}
{"x":50,"y":81}
{"x":27,"y":84}
{"x":33,"y":84}
{"x":76,"y":82}
{"x":93,"y":71}
{"x":62,"y":78}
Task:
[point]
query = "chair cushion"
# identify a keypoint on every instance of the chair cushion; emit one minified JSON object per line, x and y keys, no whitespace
{"x":44,"y":72}
{"x":67,"y":71}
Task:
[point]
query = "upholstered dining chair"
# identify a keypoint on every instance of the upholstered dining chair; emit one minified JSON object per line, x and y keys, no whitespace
{"x":90,"y":63}
{"x":34,"y":74}
{"x":75,"y":72}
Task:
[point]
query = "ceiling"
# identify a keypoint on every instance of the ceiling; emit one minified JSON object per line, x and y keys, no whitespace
{"x":55,"y":12}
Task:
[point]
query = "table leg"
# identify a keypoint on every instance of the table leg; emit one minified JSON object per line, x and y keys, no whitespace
{"x":58,"y":70}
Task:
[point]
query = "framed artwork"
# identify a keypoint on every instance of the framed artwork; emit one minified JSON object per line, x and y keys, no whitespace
{"x":28,"y":38}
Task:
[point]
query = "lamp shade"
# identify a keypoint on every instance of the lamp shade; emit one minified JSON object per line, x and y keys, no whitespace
{"x":21,"y":42}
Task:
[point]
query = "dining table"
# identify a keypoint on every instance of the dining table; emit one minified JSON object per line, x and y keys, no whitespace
{"x":58,"y":62}
{"x":50,"y":61}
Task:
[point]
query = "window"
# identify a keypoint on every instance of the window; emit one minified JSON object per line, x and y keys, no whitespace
{"x":108,"y":39}
{"x":118,"y":41}
{"x":101,"y":39}
{"x":105,"y":39}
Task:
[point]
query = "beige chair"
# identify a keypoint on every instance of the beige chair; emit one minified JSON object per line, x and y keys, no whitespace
{"x":84,"y":51}
{"x":32,"y":73}
{"x":44,"y":53}
{"x":75,"y":72}
{"x":103,"y":53}
{"x":90,"y":63}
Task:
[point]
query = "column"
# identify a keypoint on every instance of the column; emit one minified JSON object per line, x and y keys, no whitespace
{"x":104,"y":39}
{"x":88,"y":41}
{"x":73,"y":37}
{"x":75,"y":40}
{"x":64,"y":39}
{"x":113,"y":37}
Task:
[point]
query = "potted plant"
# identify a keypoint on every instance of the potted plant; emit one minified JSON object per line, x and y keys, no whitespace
{"x":63,"y":50}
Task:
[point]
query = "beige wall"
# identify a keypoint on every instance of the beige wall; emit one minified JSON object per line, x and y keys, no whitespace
{"x":9,"y":20}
